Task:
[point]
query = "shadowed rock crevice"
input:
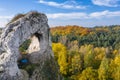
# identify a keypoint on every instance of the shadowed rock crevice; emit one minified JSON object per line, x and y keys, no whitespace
{"x":34,"y":26}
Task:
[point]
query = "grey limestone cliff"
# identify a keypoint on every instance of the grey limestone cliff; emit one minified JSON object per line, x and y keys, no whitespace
{"x":35,"y":26}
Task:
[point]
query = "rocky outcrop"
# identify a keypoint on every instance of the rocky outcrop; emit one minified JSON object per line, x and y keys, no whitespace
{"x":32,"y":25}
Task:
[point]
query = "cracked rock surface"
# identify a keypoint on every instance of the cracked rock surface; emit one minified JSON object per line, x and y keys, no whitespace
{"x":32,"y":25}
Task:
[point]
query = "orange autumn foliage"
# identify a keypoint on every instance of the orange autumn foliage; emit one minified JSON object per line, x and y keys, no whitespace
{"x":64,"y":30}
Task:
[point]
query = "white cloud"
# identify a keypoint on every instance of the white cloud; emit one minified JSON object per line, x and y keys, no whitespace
{"x":67,"y":15}
{"x":100,"y":14}
{"x":66,"y":5}
{"x":72,"y":16}
{"x":4,"y":20}
{"x":108,"y":3}
{"x":2,"y":23}
{"x":6,"y":17}
{"x":80,"y":15}
{"x":105,"y":13}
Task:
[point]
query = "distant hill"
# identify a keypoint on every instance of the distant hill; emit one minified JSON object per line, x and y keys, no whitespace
{"x":99,"y":36}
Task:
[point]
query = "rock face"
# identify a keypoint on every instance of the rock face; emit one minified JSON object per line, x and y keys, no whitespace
{"x":32,"y":25}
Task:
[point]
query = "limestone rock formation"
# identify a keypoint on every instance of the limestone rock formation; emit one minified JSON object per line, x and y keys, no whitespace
{"x":32,"y":25}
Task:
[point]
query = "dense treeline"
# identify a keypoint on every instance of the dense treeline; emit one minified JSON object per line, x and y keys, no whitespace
{"x":98,"y":36}
{"x":87,"y":62}
{"x":87,"y":53}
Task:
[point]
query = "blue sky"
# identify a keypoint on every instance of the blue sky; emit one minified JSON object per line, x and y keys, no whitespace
{"x":87,"y":13}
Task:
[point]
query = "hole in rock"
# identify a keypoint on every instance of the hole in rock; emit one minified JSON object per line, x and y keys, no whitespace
{"x":25,"y":45}
{"x":29,"y":46}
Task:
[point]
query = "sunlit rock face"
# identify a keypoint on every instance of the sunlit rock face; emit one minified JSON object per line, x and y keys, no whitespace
{"x":32,"y":25}
{"x":34,"y":46}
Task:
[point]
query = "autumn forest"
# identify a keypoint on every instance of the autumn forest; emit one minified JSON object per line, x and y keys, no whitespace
{"x":85,"y":53}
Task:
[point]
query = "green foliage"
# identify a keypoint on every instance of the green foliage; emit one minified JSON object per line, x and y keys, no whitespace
{"x":24,"y":46}
{"x":97,"y":36}
{"x":30,"y":68}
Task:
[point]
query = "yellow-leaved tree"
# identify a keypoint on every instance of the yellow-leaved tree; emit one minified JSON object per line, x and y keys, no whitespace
{"x":60,"y":53}
{"x":116,"y":68}
{"x":89,"y":74}
{"x":104,"y":70}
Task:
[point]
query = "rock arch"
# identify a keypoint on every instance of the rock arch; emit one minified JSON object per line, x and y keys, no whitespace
{"x":34,"y":25}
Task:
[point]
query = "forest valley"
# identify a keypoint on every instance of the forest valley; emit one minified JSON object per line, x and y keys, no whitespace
{"x":85,"y":53}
